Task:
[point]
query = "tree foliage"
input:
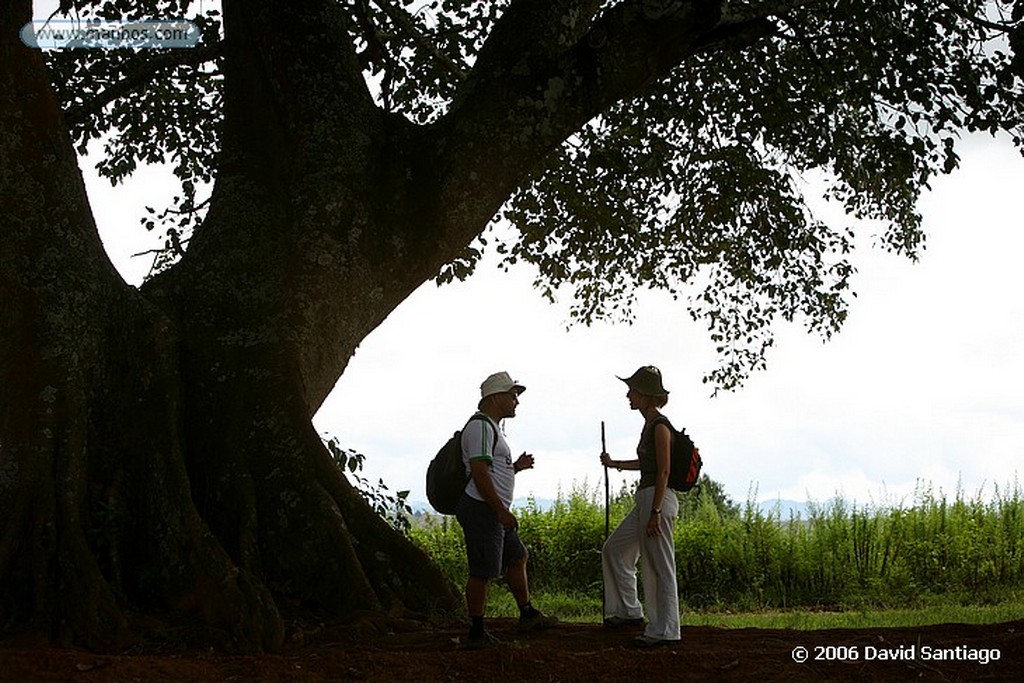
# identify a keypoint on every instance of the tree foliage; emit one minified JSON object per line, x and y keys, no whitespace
{"x":392,"y":506}
{"x":695,"y":184}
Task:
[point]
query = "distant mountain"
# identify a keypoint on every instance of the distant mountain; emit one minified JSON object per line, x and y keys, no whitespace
{"x":784,"y":509}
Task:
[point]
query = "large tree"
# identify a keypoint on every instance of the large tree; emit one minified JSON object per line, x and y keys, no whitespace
{"x":156,"y":450}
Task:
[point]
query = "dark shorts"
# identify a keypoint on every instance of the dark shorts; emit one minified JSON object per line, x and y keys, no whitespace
{"x":490,"y":547}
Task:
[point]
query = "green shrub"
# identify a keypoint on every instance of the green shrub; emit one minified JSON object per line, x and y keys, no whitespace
{"x":841,"y":555}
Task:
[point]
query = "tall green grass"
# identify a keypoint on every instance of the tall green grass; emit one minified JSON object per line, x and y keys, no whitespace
{"x":964,"y":551}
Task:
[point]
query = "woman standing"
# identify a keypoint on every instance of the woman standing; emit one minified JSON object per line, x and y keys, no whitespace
{"x":646,"y":532}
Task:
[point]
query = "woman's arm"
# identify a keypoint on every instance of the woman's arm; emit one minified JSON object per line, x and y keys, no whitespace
{"x":607,"y":461}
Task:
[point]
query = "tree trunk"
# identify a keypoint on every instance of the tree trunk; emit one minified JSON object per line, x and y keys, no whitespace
{"x":156,"y":448}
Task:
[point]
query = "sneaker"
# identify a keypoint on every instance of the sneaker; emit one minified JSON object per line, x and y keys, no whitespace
{"x":623,"y":622}
{"x":483,"y":641}
{"x":536,"y":621}
{"x":647,"y":641}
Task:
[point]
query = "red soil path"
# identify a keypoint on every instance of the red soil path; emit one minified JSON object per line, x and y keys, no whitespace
{"x":372,"y":649}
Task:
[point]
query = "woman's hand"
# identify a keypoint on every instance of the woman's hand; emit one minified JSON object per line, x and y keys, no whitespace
{"x":607,"y":461}
{"x":654,"y":524}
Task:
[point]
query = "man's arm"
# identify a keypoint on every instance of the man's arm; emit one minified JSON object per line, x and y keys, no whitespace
{"x":481,"y":472}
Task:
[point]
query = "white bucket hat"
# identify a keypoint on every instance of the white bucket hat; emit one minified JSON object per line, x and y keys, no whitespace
{"x":499,"y":383}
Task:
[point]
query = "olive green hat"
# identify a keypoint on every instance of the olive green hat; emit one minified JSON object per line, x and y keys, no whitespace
{"x":647,"y":381}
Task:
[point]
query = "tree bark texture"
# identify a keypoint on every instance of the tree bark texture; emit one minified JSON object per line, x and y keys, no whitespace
{"x":156,"y":448}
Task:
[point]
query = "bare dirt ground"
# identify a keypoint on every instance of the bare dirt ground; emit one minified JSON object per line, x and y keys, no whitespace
{"x":373,"y":650}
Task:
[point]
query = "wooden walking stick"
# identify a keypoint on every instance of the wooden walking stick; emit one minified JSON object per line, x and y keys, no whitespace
{"x":604,"y":611}
{"x":606,"y":495}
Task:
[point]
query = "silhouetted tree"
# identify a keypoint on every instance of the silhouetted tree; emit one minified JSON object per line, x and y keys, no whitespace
{"x":157,"y":454}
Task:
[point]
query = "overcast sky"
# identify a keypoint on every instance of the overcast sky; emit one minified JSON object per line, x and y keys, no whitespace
{"x":922,"y":386}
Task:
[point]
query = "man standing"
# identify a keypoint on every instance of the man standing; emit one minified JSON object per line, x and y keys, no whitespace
{"x":493,"y":547}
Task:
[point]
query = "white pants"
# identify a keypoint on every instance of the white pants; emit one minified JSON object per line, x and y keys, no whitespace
{"x":657,"y":556}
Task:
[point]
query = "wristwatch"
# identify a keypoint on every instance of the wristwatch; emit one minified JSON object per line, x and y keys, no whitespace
{"x":655,"y":511}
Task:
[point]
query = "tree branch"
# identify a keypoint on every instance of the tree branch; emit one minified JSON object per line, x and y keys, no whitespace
{"x":529,"y":91}
{"x":401,"y":19}
{"x":611,"y":56}
{"x":978,"y":21}
{"x":294,"y":89}
{"x":763,"y":10}
{"x":534,"y":29}
{"x":736,"y":36}
{"x":139,"y":77}
{"x":742,"y":27}
{"x":566,"y":85}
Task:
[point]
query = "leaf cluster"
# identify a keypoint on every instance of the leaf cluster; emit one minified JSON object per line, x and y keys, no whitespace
{"x":148,"y":106}
{"x":392,"y":506}
{"x":698,"y":186}
{"x":419,"y":52}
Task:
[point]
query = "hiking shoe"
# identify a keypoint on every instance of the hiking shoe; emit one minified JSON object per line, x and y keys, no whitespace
{"x":623,"y":622}
{"x":483,"y":641}
{"x":647,"y":642}
{"x":536,"y":621}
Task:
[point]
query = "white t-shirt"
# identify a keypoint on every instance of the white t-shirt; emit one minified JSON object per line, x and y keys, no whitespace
{"x":477,"y":442}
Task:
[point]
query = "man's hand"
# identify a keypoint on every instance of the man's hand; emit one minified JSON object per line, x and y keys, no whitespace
{"x":508,"y":520}
{"x":524,"y":462}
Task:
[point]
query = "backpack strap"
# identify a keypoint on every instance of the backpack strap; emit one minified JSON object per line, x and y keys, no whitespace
{"x":485,"y":420}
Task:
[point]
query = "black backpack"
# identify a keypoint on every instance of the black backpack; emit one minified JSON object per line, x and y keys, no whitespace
{"x":446,"y":473}
{"x":686,"y":462}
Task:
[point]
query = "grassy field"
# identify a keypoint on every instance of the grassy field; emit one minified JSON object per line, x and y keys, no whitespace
{"x":935,"y":560}
{"x":587,"y":609}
